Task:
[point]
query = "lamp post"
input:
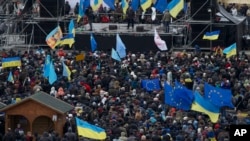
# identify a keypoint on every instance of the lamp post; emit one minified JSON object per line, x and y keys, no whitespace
{"x":210,"y":11}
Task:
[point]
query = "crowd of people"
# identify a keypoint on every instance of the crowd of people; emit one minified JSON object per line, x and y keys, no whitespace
{"x":109,"y":93}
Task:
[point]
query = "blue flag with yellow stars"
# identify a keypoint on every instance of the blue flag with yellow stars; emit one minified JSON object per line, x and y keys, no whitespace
{"x":151,"y":84}
{"x":218,"y":96}
{"x":178,"y":97}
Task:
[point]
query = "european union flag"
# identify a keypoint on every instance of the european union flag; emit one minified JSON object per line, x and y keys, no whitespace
{"x":218,"y":96}
{"x":151,"y":85}
{"x":184,"y":92}
{"x":169,"y":94}
{"x":177,"y":97}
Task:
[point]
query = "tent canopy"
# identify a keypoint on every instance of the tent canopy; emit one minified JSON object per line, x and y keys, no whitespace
{"x":235,"y":20}
{"x":237,"y":1}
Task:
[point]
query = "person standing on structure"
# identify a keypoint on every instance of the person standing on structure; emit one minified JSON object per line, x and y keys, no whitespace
{"x":130,"y":17}
{"x":166,"y":20}
{"x":90,"y":15}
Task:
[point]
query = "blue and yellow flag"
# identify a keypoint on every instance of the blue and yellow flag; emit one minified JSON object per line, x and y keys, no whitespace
{"x":67,"y":40}
{"x":11,"y":62}
{"x":110,"y":3}
{"x":72,"y":29}
{"x":95,"y":4}
{"x":66,"y":71}
{"x":161,"y":5}
{"x":115,"y":55}
{"x":230,"y":51}
{"x":80,"y":11}
{"x":214,"y":35}
{"x":203,"y":105}
{"x":54,"y":37}
{"x":145,"y":4}
{"x":90,"y":131}
{"x":10,"y":78}
{"x":124,"y":6}
{"x":175,"y":7}
{"x":135,"y":4}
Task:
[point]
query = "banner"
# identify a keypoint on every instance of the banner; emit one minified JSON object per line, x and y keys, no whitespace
{"x":80,"y":57}
{"x":11,"y":62}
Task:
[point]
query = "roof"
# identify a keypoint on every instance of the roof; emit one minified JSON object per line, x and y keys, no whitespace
{"x":228,"y":15}
{"x":46,"y":100}
{"x":2,"y":105}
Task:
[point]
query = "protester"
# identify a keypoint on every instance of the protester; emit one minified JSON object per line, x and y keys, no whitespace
{"x":166,"y":19}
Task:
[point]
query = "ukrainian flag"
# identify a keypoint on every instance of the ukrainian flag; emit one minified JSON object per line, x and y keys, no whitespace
{"x":230,"y":51}
{"x":95,"y":4}
{"x":124,"y":6}
{"x":214,"y":35}
{"x":175,"y":7}
{"x":80,"y":11}
{"x":90,"y":131}
{"x":11,"y":62}
{"x":203,"y":105}
{"x":72,"y":27}
{"x":66,"y":71}
{"x":145,"y":4}
{"x":54,"y":37}
{"x":67,"y":40}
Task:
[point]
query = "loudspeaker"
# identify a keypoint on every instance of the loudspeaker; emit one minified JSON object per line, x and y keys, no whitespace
{"x":200,"y":12}
{"x":139,"y":28}
{"x":51,"y":8}
{"x":112,"y":27}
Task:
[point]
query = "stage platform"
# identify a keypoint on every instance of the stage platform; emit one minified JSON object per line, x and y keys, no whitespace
{"x":141,"y":39}
{"x":121,"y":28}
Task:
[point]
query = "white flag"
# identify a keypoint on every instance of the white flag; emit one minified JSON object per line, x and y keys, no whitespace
{"x":153,"y":16}
{"x":161,"y":44}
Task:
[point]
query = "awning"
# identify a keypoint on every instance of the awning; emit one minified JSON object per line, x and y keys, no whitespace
{"x":235,"y":20}
{"x":237,"y":1}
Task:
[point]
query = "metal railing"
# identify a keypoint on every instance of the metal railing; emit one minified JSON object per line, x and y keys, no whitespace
{"x":11,"y":40}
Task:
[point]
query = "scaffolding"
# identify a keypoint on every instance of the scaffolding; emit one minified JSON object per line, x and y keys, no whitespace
{"x":15,"y":23}
{"x":15,"y":35}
